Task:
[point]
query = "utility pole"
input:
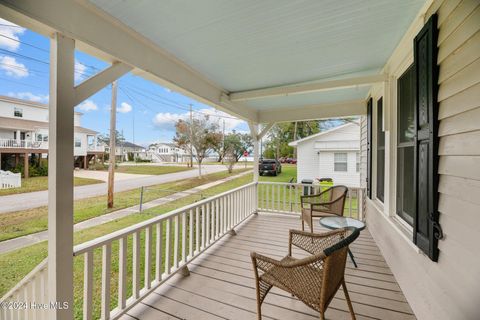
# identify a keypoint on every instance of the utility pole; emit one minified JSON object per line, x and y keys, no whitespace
{"x":111,"y":158}
{"x":191,"y":136}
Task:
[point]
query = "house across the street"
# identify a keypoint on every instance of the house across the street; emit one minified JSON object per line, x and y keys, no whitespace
{"x":166,"y":152}
{"x":334,"y":154}
{"x":24,"y":133}
{"x":127,"y":151}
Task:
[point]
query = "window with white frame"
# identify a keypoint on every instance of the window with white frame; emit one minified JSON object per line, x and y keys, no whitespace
{"x":78,"y":143}
{"x":340,"y":163}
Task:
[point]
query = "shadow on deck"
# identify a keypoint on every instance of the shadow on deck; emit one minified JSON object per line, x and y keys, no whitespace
{"x":221,"y":284}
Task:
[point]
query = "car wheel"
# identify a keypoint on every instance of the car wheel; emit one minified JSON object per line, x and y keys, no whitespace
{"x":275,"y":173}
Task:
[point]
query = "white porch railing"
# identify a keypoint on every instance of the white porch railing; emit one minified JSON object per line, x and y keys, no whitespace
{"x":160,"y":247}
{"x":23,"y":144}
{"x":95,"y":148}
{"x":285,"y":197}
{"x":139,"y":258}
{"x":10,"y":180}
{"x":28,"y":299}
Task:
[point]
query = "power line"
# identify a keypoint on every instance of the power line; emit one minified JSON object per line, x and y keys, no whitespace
{"x":177,"y":105}
{"x":25,"y":43}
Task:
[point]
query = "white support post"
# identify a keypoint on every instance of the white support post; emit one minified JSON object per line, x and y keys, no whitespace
{"x":60,"y":177}
{"x":254,"y":133}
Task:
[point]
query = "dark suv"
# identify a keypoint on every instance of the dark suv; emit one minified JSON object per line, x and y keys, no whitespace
{"x":269,"y":166}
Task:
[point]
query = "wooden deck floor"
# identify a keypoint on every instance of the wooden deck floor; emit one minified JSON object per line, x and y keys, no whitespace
{"x":221,"y":284}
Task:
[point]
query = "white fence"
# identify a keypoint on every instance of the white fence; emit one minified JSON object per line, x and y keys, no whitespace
{"x":285,"y":197}
{"x":23,"y":144}
{"x":10,"y":180}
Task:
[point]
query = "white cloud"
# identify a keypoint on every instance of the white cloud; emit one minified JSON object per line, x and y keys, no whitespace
{"x":29,"y":96}
{"x":124,"y":108}
{"x":87,"y":105}
{"x":12,"y":67}
{"x":79,"y":71}
{"x":11,"y":32}
{"x":166,"y":120}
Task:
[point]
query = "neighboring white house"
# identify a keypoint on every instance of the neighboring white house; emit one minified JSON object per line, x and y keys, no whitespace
{"x":24,"y":131}
{"x":166,"y":152}
{"x":330,"y":154}
{"x":126,"y":148}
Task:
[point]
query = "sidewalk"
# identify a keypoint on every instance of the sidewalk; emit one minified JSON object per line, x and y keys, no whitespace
{"x":28,"y":240}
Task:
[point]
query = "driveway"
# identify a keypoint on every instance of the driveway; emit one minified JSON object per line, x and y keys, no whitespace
{"x":31,"y":200}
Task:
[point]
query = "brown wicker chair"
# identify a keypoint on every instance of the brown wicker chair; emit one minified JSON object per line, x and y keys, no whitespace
{"x":313,"y":280}
{"x":330,"y":202}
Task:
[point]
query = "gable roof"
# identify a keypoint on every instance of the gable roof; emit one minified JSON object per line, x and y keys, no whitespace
{"x":313,"y":136}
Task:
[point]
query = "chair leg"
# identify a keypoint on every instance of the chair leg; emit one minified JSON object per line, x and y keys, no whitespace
{"x":303,"y":222}
{"x":322,"y":316}
{"x":347,"y":297}
{"x":311,"y":224}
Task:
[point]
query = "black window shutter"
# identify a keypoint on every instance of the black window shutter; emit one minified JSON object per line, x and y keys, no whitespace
{"x":369,"y":148}
{"x":426,"y":230}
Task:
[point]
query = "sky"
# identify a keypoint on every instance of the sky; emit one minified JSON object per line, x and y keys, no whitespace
{"x":146,"y":112}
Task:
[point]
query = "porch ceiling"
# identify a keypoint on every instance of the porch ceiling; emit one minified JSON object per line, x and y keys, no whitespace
{"x":218,"y":51}
{"x":250,"y":44}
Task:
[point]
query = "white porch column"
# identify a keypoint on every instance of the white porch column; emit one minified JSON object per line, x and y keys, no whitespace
{"x":60,"y":177}
{"x":254,"y":133}
{"x":256,"y":157}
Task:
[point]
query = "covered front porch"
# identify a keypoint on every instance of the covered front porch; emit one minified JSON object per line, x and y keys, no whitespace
{"x":221,"y":283}
{"x":408,"y":69}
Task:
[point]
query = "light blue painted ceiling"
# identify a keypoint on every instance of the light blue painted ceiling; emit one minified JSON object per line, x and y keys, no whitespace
{"x":324,"y":97}
{"x":249,"y":44}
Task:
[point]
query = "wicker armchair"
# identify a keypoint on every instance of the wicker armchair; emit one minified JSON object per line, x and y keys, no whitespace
{"x":313,"y":280}
{"x":330,"y":202}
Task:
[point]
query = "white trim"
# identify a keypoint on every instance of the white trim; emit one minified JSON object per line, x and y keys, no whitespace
{"x":296,"y":142}
{"x":300,"y":88}
{"x":60,"y":177}
{"x":314,"y":112}
{"x":99,"y":81}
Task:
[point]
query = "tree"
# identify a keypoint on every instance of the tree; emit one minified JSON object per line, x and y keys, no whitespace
{"x":105,"y":138}
{"x":238,"y":143}
{"x":201,"y":134}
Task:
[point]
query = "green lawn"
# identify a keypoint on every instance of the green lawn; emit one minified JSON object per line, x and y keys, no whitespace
{"x":29,"y":221}
{"x":41,"y":183}
{"x":153,"y":170}
{"x":289,"y":171}
{"x":15,"y":265}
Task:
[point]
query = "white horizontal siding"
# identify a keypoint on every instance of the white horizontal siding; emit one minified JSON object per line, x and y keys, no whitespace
{"x":448,"y":289}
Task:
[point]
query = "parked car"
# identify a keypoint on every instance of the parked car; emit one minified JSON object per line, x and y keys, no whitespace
{"x":283,"y":159}
{"x":269,"y":166}
{"x":291,"y":160}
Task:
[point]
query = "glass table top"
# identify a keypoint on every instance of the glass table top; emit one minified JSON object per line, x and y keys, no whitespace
{"x":341,"y":222}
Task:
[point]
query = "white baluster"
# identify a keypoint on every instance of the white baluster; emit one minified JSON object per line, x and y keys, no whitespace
{"x":122,"y":272}
{"x":136,"y":265}
{"x":106,"y":265}
{"x":159,"y":252}
{"x":148,"y":257}
{"x":87,"y":285}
